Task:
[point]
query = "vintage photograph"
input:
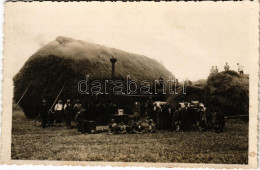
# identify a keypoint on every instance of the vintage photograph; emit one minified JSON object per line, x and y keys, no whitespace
{"x":137,"y":82}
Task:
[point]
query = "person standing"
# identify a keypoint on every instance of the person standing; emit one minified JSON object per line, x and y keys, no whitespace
{"x":58,"y":112}
{"x":176,"y":119}
{"x":149,"y":106}
{"x":164,"y":117}
{"x":44,"y":113}
{"x":136,"y":111}
{"x":240,"y":69}
{"x":203,"y":123}
{"x":185,"y":116}
{"x":220,"y":121}
{"x":216,"y":69}
{"x":68,"y":112}
{"x":212,"y":70}
{"x":77,"y":107}
{"x":226,"y":67}
{"x":154,"y":112}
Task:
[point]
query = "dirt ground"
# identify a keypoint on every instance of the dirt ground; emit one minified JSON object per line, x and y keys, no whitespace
{"x":60,"y":143}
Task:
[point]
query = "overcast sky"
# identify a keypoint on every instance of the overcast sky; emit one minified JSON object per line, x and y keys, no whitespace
{"x":188,"y":37}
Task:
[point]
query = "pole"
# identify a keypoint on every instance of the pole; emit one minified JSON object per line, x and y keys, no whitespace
{"x":113,"y":61}
{"x":22,"y":96}
{"x":57,"y":97}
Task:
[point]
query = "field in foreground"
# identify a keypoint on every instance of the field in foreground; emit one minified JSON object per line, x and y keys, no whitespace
{"x":60,"y":143}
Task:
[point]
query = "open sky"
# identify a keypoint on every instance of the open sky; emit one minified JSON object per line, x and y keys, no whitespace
{"x":188,"y":37}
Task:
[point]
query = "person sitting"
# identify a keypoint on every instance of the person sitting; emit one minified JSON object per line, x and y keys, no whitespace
{"x":79,"y":118}
{"x":110,"y":126}
{"x":122,"y":127}
{"x":151,"y":126}
{"x":129,"y":127}
{"x":113,"y":127}
{"x":139,"y":128}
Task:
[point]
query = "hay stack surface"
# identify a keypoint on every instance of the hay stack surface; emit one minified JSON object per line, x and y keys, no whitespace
{"x":70,"y":60}
{"x":227,"y":90}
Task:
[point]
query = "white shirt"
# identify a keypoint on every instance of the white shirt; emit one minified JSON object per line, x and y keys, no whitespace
{"x":58,"y":107}
{"x":66,"y":105}
{"x":240,"y":67}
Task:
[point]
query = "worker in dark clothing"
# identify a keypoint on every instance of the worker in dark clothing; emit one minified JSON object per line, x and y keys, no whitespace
{"x":185,"y":114}
{"x":68,"y":112}
{"x":77,"y":107}
{"x":220,"y":121}
{"x":154,"y":112}
{"x":149,"y":106}
{"x":192,"y":116}
{"x":44,"y":113}
{"x":139,"y":128}
{"x":151,"y":126}
{"x":79,"y":118}
{"x":203,"y":123}
{"x":176,"y":119}
{"x":165,"y":117}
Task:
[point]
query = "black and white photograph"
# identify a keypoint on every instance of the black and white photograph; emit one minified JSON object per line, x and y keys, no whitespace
{"x":157,"y":84}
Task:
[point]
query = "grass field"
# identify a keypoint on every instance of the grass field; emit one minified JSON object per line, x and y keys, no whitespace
{"x":60,"y":143}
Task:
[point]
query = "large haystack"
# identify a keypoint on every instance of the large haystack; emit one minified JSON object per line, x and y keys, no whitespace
{"x":68,"y":60}
{"x":227,"y":90}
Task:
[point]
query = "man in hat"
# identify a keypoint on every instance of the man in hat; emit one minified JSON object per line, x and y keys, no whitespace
{"x":68,"y":112}
{"x":44,"y":113}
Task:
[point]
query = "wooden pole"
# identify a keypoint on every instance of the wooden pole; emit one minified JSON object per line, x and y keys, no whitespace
{"x":22,"y":96}
{"x":57,"y":97}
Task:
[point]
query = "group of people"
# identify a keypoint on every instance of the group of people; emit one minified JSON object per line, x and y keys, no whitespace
{"x":179,"y":118}
{"x":147,"y":126}
{"x":214,"y":70}
{"x":187,"y":117}
{"x":56,"y":115}
{"x":191,"y":117}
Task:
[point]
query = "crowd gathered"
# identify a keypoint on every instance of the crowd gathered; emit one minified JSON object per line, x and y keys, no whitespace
{"x":214,"y":69}
{"x":185,"y":116}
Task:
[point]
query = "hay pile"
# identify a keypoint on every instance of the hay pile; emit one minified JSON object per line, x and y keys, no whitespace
{"x":227,"y":90}
{"x":69,"y":60}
